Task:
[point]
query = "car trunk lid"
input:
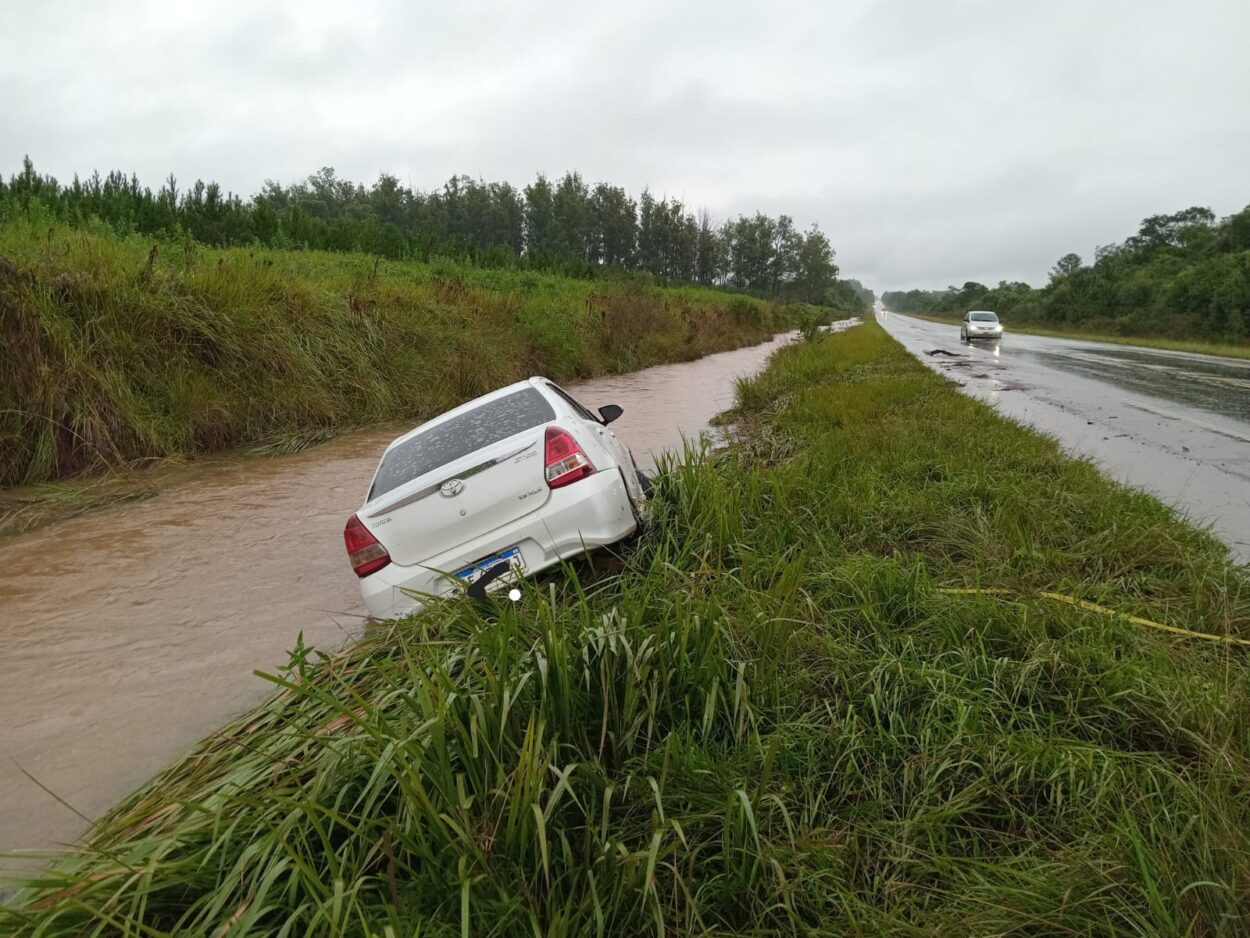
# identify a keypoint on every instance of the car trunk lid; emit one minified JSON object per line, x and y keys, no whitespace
{"x":460,"y":476}
{"x":460,"y":501}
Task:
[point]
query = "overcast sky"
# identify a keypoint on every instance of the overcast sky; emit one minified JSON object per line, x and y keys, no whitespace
{"x":934,"y":142}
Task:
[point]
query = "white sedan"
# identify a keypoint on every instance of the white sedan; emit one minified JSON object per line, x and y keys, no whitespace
{"x":524,"y":477}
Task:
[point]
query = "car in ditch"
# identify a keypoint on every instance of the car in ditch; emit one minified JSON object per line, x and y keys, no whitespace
{"x":980,"y":324}
{"x":512,"y":483}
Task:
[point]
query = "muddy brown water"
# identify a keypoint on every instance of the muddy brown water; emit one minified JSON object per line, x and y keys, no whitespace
{"x":129,"y":633}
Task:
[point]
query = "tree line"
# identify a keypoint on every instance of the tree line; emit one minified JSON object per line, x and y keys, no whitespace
{"x":566,"y":226}
{"x":1185,"y":275}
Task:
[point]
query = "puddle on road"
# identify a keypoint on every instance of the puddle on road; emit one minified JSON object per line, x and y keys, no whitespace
{"x":129,"y":633}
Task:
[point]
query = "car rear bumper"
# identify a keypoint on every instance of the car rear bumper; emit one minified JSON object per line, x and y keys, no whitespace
{"x":592,"y":512}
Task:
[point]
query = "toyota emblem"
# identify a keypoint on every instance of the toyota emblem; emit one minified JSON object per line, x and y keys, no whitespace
{"x":451,"y":488}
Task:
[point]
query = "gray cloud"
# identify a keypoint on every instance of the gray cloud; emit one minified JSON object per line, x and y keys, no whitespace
{"x":933,"y":142}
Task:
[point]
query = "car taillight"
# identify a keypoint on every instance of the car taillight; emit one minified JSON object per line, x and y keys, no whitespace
{"x":363,"y":550}
{"x":566,"y":461}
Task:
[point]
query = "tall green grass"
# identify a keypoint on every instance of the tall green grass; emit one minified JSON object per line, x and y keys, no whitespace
{"x":767,"y":721}
{"x":116,"y":351}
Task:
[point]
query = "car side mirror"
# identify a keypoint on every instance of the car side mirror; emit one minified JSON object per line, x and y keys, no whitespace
{"x":609,"y":412}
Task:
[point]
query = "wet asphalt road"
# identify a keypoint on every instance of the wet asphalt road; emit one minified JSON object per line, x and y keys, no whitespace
{"x":1172,"y":423}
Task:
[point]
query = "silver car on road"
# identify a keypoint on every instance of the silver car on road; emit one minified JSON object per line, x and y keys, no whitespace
{"x":980,"y":324}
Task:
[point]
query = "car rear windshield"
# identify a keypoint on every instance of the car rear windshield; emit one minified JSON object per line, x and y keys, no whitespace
{"x":472,"y":430}
{"x":984,"y":317}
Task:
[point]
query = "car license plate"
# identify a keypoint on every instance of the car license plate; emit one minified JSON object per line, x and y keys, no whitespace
{"x":512,"y":556}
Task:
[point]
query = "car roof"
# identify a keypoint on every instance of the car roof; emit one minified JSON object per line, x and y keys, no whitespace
{"x":990,"y":311}
{"x":537,"y":381}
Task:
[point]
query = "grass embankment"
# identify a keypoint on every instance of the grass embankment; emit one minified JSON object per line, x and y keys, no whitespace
{"x":1221,"y":350}
{"x":772,"y":722}
{"x":119,"y":352}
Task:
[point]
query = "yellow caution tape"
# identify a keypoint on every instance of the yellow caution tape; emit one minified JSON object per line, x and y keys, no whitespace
{"x":1103,"y":610}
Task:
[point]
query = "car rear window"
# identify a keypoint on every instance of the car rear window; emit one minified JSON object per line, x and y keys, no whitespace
{"x":984,"y":317}
{"x":472,"y":430}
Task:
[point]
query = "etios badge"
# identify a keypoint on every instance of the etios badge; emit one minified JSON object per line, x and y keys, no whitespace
{"x":451,"y":488}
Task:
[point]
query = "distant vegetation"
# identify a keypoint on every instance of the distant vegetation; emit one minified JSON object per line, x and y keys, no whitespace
{"x":1182,"y":276}
{"x":566,"y":227}
{"x":140,"y":324}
